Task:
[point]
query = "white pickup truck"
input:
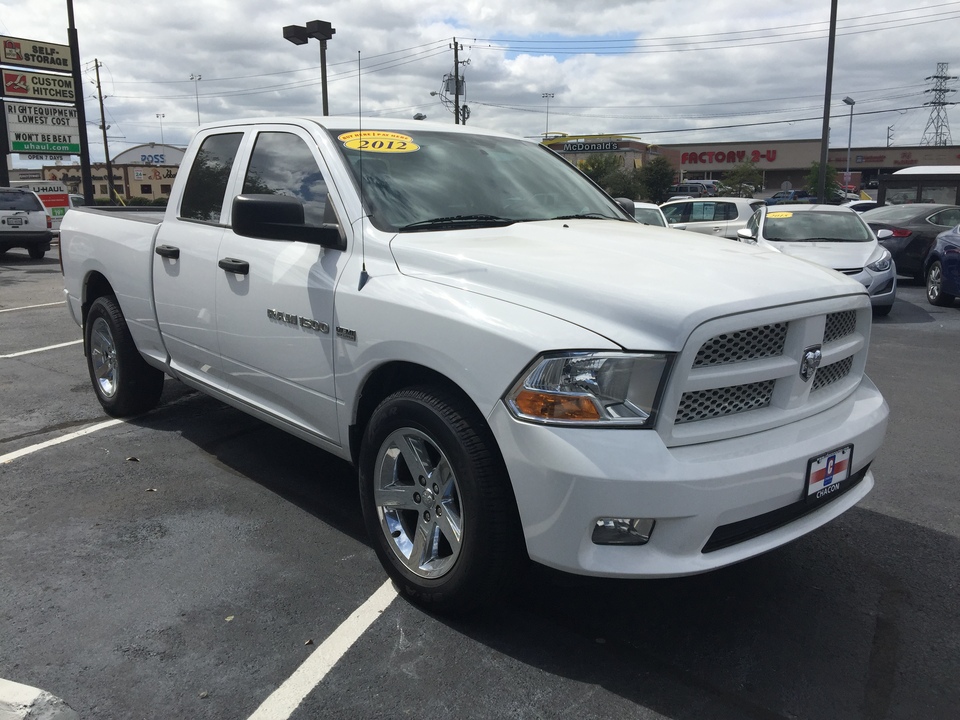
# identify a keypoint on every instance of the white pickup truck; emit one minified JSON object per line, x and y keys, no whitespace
{"x":517,"y":368}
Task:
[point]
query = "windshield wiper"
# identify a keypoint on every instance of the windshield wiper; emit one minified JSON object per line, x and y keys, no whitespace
{"x":586,"y":216}
{"x":455,"y":221}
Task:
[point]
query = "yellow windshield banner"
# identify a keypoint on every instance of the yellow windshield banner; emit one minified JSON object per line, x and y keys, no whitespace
{"x":378,"y":141}
{"x":779,"y":214}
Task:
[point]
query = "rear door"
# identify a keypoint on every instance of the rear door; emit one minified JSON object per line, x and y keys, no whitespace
{"x":275,"y":297}
{"x":185,"y":262}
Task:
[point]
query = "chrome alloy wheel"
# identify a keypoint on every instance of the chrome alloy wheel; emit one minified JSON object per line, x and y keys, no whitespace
{"x":934,"y":282}
{"x":418,"y":503}
{"x":103,"y":355}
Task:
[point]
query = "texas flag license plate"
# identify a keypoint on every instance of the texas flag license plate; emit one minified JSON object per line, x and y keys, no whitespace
{"x":827,"y":473}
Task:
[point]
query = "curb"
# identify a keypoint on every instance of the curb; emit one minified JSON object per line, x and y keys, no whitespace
{"x":22,"y":702}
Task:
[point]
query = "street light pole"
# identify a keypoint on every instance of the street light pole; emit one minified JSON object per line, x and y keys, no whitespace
{"x":846,"y":176}
{"x":196,"y":89}
{"x":322,"y":31}
{"x":547,"y":96}
{"x":160,"y":117}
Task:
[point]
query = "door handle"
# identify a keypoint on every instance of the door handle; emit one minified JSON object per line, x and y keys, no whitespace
{"x":241,"y":267}
{"x":168,"y":251}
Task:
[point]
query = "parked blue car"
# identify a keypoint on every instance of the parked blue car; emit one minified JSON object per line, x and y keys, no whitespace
{"x":943,"y":268}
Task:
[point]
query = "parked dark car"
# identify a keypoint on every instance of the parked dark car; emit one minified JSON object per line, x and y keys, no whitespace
{"x":790,"y":196}
{"x":943,"y":268}
{"x":914,"y":228}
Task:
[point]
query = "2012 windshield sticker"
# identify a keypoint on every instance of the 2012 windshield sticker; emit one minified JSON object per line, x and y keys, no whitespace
{"x":378,"y":141}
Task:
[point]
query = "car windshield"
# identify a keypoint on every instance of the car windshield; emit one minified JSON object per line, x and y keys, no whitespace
{"x":421,"y":181}
{"x":814,"y":226}
{"x":19,"y":201}
{"x":648,"y":216}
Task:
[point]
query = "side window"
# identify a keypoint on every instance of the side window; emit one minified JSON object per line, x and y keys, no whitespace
{"x":945,"y":218}
{"x":703,"y":212}
{"x":726,"y":211}
{"x":206,"y":186}
{"x":282,"y":164}
{"x":675,"y":213}
{"x":754,"y":222}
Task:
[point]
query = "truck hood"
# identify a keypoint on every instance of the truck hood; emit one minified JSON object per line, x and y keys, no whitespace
{"x":837,"y":255}
{"x":642,"y":287}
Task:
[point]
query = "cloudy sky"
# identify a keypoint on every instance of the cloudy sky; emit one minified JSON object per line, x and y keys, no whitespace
{"x":668,"y":71}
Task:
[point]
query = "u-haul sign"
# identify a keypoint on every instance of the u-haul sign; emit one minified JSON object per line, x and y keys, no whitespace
{"x":35,"y":128}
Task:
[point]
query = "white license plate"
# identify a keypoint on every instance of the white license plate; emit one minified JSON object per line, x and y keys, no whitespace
{"x":15,"y":222}
{"x":827,"y":473}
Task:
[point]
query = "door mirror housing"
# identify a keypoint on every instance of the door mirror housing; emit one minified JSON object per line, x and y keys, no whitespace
{"x":280,"y":217}
{"x":746,"y":235}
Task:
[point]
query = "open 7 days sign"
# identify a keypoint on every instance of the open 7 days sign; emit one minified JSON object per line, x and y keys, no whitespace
{"x":35,"y":128}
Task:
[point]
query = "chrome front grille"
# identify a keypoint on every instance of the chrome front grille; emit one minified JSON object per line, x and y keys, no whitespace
{"x":741,"y":374}
{"x":829,"y":374}
{"x":724,"y":401}
{"x":749,"y":344}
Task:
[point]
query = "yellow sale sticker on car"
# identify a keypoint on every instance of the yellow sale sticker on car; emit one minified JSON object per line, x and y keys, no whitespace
{"x":779,"y":214}
{"x":378,"y":141}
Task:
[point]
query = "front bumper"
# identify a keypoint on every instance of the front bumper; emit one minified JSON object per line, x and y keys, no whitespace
{"x":565,"y":479}
{"x":882,"y":286}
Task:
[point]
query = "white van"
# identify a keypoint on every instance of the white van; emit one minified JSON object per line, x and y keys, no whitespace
{"x":53,"y":194}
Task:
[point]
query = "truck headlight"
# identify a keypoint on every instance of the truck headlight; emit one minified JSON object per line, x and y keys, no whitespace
{"x":883,"y":264}
{"x":591,"y":388}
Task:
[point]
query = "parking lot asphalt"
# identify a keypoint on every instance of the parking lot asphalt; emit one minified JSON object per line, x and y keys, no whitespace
{"x":188,"y":562}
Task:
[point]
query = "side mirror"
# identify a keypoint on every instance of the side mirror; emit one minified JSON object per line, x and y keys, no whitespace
{"x":626,"y":204}
{"x":280,"y":217}
{"x":747,"y":236}
{"x":884,"y":234}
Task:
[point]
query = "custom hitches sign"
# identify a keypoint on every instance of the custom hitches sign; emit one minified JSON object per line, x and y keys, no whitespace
{"x":38,"y":86}
{"x":35,"y":128}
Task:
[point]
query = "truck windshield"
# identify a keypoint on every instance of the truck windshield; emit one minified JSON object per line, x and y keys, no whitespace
{"x":421,"y":181}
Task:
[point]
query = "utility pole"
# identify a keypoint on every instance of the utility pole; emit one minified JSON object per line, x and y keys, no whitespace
{"x":103,"y":127}
{"x":825,"y":133}
{"x":456,"y":80}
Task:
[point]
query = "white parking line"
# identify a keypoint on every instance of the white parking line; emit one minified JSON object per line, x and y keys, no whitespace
{"x":287,"y":698}
{"x":43,"y":349}
{"x":31,"y":307}
{"x":9,"y":457}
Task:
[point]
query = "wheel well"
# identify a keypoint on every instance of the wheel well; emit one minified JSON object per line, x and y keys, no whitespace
{"x":384,"y":381}
{"x":95,"y":287}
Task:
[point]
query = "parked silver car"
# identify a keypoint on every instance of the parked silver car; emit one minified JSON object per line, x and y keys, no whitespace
{"x":721,"y":217}
{"x":829,"y":235}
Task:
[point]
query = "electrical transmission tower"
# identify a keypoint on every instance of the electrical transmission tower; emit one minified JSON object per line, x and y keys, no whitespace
{"x":937,"y":131}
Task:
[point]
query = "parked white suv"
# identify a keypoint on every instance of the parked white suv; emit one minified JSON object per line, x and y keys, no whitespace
{"x":24,"y":222}
{"x":721,"y":217}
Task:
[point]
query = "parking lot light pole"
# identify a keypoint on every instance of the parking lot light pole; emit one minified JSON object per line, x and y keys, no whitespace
{"x":322,"y":31}
{"x":846,"y":176}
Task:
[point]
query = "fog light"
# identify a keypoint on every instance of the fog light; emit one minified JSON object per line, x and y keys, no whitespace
{"x":623,"y":531}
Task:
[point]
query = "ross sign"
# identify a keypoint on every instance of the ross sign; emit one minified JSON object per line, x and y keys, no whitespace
{"x":39,"y":86}
{"x":34,"y":54}
{"x":35,"y":128}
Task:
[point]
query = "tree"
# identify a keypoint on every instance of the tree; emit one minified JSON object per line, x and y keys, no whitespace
{"x":655,"y":177}
{"x":741,"y":179}
{"x":832,"y":187}
{"x":608,"y":172}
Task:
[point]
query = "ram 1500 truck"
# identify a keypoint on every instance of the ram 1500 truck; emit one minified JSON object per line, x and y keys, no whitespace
{"x":516,"y":367}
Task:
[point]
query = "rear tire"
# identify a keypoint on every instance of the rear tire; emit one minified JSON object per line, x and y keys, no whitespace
{"x":437,"y":501}
{"x":36,"y":253}
{"x":123,"y":382}
{"x":935,"y":294}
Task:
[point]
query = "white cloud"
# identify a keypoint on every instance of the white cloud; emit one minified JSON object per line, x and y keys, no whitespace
{"x":677,"y":66}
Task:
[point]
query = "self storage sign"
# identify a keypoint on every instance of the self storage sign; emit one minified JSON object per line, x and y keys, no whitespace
{"x":34,"y":54}
{"x":38,"y":86}
{"x":35,"y":128}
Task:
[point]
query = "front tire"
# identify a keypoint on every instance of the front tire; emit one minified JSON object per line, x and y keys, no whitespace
{"x":935,"y":294}
{"x":437,"y":501}
{"x":123,"y":382}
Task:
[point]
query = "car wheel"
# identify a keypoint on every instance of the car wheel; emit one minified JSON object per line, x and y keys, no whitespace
{"x":36,"y":253}
{"x":935,"y":293}
{"x":124,"y":383}
{"x":437,"y":501}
